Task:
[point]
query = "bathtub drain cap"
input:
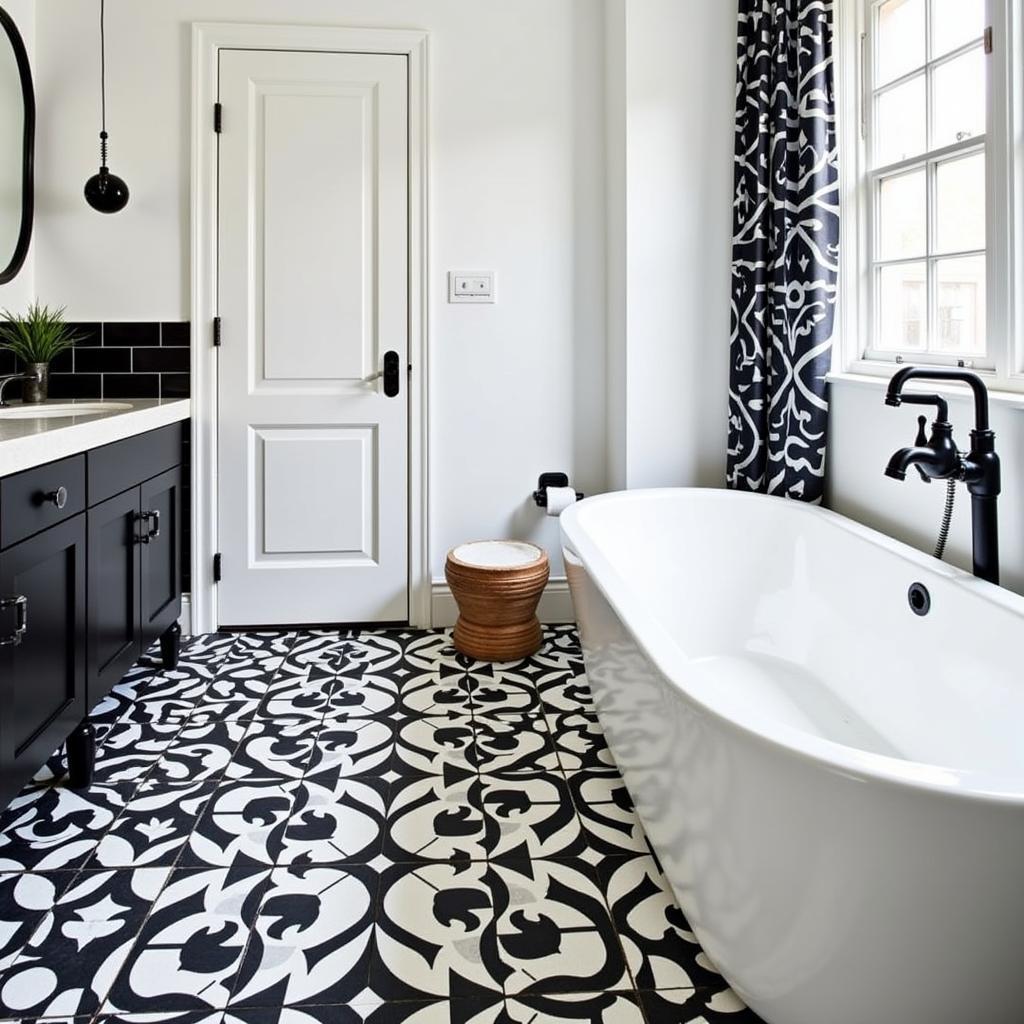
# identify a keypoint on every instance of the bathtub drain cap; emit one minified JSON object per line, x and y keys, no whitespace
{"x":919,"y":598}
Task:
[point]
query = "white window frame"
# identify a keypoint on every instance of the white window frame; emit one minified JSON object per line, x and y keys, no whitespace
{"x":1003,"y":366}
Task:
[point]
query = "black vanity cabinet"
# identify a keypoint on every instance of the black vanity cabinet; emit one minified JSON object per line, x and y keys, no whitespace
{"x":90,"y":576}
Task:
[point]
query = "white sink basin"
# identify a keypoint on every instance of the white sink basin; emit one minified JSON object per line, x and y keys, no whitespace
{"x":70,"y":410}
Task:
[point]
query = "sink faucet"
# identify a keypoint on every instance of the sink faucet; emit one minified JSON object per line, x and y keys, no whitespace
{"x":4,"y":381}
{"x":938,"y":458}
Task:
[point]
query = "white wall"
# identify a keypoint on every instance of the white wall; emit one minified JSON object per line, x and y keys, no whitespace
{"x":517,"y":184}
{"x":669,"y":288}
{"x":17,"y":294}
{"x":616,"y":263}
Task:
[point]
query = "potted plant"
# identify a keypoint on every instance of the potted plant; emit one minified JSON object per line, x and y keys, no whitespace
{"x":36,"y":338}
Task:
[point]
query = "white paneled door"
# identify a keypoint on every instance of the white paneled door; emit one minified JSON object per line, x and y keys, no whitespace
{"x":312,"y":371}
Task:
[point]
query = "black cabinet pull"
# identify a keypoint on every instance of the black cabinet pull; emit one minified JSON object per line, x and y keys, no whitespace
{"x":392,"y":374}
{"x":154,"y":530}
{"x":145,"y":533}
{"x":20,"y":606}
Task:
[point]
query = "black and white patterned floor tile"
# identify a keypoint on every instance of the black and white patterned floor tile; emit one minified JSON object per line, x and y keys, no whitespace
{"x":345,"y":828}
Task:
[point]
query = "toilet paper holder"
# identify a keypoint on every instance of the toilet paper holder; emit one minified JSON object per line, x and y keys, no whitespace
{"x":540,"y":496}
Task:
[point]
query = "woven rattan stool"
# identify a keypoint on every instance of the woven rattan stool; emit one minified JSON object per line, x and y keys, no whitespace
{"x":497,"y":585}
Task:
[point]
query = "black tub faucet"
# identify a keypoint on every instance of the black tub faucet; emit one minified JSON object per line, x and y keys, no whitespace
{"x":938,"y":458}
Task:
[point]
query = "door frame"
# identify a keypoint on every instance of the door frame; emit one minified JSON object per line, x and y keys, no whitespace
{"x":208,"y":39}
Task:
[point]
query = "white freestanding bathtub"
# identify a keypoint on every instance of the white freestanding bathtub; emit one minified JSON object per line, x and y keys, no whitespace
{"x":833,"y":783}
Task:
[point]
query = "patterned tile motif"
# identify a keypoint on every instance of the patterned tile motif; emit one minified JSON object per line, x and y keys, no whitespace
{"x":100,"y":913}
{"x":190,"y":950}
{"x":554,"y":930}
{"x":345,"y":828}
{"x":312,"y":939}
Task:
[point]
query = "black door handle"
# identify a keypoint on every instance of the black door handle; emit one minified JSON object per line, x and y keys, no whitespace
{"x":392,"y":374}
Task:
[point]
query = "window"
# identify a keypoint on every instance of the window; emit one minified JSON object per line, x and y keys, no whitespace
{"x":925,"y":156}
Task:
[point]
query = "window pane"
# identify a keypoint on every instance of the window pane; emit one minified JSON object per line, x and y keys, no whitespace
{"x":960,"y":204}
{"x":901,"y":38}
{"x":958,"y":95}
{"x":900,"y":123}
{"x":902,"y":216}
{"x":960,"y":322}
{"x":902,"y":306}
{"x":955,"y":23}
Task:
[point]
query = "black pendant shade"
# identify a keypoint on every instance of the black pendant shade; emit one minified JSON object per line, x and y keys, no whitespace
{"x":104,"y":191}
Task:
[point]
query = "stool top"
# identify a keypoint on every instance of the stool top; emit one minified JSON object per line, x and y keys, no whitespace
{"x":498,"y":554}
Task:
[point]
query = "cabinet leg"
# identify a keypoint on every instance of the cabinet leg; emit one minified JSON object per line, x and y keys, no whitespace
{"x":81,"y":755}
{"x":170,"y":645}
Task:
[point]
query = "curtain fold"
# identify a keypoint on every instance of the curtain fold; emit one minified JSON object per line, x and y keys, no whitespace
{"x":785,"y":259}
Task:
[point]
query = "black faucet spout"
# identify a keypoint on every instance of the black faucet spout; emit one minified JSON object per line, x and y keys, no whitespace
{"x":894,"y":395}
{"x":903,"y":459}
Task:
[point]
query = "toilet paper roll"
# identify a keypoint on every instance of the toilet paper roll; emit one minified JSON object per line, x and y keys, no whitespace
{"x":559,"y":499}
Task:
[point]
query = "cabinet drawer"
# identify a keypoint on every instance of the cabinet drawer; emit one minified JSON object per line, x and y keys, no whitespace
{"x":32,"y":501}
{"x":116,"y":467}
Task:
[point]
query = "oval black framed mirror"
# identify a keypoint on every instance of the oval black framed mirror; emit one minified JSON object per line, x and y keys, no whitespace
{"x":17,"y":121}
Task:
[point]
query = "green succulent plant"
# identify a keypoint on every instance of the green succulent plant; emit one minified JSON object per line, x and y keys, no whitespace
{"x":37,"y":336}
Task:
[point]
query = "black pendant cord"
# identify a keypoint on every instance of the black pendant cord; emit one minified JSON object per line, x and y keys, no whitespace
{"x":103,"y":83}
{"x":104,"y":191}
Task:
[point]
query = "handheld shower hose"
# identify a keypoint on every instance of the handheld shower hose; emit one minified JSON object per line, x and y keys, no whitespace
{"x":947,"y":518}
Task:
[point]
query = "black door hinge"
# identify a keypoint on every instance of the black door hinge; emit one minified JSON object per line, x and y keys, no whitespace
{"x":216,"y":332}
{"x":218,"y":118}
{"x":216,"y":568}
{"x":988,"y":39}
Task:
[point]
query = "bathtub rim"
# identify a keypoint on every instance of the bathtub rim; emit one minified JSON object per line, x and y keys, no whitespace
{"x":658,"y":645}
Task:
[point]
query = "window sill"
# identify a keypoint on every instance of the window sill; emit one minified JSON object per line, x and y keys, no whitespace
{"x":1002,"y":399}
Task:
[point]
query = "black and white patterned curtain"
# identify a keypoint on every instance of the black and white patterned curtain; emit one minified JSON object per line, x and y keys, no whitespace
{"x":785,"y":258}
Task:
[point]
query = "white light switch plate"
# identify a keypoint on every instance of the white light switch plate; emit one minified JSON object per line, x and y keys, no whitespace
{"x":471,"y":286}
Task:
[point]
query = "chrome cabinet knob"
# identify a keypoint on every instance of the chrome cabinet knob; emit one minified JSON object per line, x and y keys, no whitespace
{"x":58,"y":497}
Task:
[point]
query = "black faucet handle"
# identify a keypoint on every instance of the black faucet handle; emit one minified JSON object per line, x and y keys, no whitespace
{"x":921,"y":442}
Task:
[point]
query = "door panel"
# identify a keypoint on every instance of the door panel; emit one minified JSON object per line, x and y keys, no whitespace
{"x":317,"y":491}
{"x":160,"y":553}
{"x":307,"y":151}
{"x":313,"y":283}
{"x":115,"y":635}
{"x":42,"y":681}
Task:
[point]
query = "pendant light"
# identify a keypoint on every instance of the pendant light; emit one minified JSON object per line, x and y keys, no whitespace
{"x":105,"y":192}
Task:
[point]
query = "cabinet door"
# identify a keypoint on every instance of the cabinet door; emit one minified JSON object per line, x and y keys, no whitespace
{"x":115,"y":628}
{"x":161,"y":553}
{"x":42,"y":680}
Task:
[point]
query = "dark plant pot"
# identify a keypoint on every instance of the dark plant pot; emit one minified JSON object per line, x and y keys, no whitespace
{"x":35,"y":391}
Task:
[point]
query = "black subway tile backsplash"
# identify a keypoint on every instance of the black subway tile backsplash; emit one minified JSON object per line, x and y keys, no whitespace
{"x":176,"y":335}
{"x":121,"y":360}
{"x":158,"y":360}
{"x":89,"y":335}
{"x":174,"y":385}
{"x":102,"y":360}
{"x":130,"y":335}
{"x":64,"y":363}
{"x":76,"y":385}
{"x":131,"y":385}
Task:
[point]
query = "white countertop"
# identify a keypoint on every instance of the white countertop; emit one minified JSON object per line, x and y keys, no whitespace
{"x":28,"y":442}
